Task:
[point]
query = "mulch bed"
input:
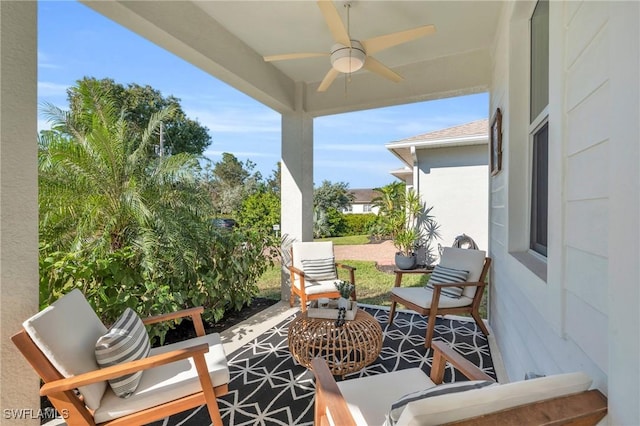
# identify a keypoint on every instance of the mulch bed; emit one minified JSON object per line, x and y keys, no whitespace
{"x":185,"y":330}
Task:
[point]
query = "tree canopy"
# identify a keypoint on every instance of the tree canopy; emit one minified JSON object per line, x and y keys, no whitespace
{"x":139,"y":103}
{"x":332,"y":195}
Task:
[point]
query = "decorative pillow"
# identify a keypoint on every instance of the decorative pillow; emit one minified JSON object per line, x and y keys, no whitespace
{"x":319,"y":269}
{"x":398,"y":407}
{"x":126,"y":340}
{"x":442,"y":275}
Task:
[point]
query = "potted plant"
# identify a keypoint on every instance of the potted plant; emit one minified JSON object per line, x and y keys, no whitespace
{"x":405,"y":242}
{"x":345,"y":288}
{"x":414,"y":227}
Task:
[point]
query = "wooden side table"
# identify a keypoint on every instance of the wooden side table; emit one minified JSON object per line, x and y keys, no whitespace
{"x":347,"y":348}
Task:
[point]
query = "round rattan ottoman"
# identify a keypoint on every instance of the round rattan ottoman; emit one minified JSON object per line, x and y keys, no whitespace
{"x":347,"y":348}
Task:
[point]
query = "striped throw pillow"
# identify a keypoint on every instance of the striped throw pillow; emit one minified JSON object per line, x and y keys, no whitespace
{"x":442,"y":275}
{"x":447,"y":388}
{"x":320,"y":269}
{"x":126,"y":340}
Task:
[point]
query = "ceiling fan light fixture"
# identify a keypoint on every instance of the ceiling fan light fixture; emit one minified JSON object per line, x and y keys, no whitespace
{"x":348,"y":59}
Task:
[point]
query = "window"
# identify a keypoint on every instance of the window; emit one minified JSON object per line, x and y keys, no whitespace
{"x":367,"y":208}
{"x":539,"y":126}
{"x":539,"y":190}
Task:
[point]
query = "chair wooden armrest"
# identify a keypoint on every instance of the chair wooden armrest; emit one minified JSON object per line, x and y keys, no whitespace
{"x":343,"y":266}
{"x":194,"y":313}
{"x":296,"y":271}
{"x":443,"y":353}
{"x":579,"y":409}
{"x":328,"y":395}
{"x":352,"y":277}
{"x":114,"y":371}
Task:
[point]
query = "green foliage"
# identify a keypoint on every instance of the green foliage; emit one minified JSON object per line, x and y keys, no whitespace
{"x":344,"y":288}
{"x":358,"y":224}
{"x":332,"y":195}
{"x":112,"y":282}
{"x":130,"y":229}
{"x":139,"y":104}
{"x":336,"y":221}
{"x":390,"y":203}
{"x":260,"y":211}
{"x":403,"y":217}
{"x":229,"y":182}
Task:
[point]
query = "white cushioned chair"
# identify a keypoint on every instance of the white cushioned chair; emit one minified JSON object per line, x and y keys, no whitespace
{"x":557,"y":399}
{"x":313,"y":272}
{"x":432,"y":302}
{"x":59,"y":343}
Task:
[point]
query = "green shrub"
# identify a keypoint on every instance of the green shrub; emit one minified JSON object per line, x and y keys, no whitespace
{"x":358,"y":224}
{"x":225,"y":280}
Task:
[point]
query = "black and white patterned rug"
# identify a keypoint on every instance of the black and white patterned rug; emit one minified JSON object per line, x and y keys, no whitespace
{"x":269,"y":388}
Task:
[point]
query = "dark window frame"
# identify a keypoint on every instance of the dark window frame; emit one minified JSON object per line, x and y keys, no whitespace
{"x":539,"y":127}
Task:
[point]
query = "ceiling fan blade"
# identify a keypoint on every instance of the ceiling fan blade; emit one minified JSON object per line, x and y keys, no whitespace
{"x":379,"y":68}
{"x":328,"y":79}
{"x":287,"y":56}
{"x":377,"y":44}
{"x":334,"y":22}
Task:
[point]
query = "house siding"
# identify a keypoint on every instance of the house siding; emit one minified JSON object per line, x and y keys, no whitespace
{"x":454,"y":182}
{"x":568,"y":320}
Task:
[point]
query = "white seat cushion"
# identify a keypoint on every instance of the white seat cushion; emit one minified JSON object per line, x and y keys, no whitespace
{"x":167,"y":382}
{"x":422,"y":297}
{"x":369,"y":398}
{"x":466,"y":260}
{"x":66,"y":332}
{"x":317,"y":287}
{"x":453,"y":407}
{"x":311,"y":251}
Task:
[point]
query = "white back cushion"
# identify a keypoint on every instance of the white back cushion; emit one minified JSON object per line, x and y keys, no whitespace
{"x":450,"y":408}
{"x":311,"y":250}
{"x":466,"y":260}
{"x":66,"y":332}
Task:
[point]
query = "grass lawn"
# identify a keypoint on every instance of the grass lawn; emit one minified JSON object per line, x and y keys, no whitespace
{"x":347,"y":241}
{"x":373,"y":286}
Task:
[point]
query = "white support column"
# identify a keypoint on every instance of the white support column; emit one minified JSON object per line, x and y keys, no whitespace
{"x":624,"y":214}
{"x":297,"y":176}
{"x":18,"y":204}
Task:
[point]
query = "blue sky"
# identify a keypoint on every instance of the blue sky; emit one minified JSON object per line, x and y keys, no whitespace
{"x":74,"y":41}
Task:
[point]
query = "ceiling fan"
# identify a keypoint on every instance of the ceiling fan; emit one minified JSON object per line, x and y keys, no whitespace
{"x":348,"y":55}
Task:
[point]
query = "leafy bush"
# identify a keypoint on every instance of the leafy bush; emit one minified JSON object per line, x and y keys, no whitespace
{"x":358,"y":224}
{"x":260,"y":211}
{"x":226,"y":280}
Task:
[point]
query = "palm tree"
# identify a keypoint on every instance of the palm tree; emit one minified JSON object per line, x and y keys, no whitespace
{"x":102,"y":189}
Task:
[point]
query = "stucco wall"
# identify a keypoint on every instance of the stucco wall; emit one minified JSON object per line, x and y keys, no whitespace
{"x":18,"y":206}
{"x":454,"y":181}
{"x":567,"y":320}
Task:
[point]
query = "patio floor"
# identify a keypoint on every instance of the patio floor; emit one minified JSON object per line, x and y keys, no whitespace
{"x":238,"y":336}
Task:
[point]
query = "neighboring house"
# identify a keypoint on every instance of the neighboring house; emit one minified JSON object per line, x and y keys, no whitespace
{"x":448,"y":168}
{"x":362,"y":201}
{"x":564,"y":210}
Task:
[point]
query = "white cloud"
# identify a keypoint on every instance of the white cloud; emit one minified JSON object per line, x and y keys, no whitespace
{"x":43,"y":125}
{"x":44,"y":61}
{"x":248,"y":154}
{"x":46,"y":88}
{"x":236,"y":120}
{"x":352,"y":147}
{"x":355,"y":165}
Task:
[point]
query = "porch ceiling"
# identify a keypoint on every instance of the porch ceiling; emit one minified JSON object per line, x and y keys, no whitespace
{"x":229,"y":38}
